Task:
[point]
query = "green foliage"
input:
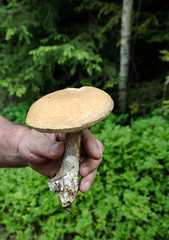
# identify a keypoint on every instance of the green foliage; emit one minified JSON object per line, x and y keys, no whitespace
{"x":54,"y":44}
{"x":73,"y":54}
{"x":166,"y":107}
{"x":16,"y":113}
{"x":151,"y":24}
{"x":145,"y":98}
{"x":128,"y":200}
{"x":165,"y":58}
{"x":111,"y":9}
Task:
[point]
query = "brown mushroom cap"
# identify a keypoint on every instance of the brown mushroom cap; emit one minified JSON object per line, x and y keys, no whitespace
{"x":69,"y":110}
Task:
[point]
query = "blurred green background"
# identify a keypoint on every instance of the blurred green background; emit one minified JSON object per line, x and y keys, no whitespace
{"x":50,"y":45}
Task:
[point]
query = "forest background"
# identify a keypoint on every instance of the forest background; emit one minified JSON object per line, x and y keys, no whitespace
{"x":50,"y":45}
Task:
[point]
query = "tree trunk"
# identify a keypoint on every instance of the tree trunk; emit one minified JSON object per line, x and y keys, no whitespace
{"x":124,"y":53}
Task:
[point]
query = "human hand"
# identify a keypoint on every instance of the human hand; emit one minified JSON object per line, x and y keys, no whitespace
{"x":92,"y":153}
{"x":43,"y":152}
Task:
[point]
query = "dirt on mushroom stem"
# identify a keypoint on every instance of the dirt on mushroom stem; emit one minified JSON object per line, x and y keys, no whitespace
{"x":66,"y":182}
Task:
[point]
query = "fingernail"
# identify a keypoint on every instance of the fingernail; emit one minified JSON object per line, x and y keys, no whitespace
{"x":87,"y":185}
{"x":86,"y":170}
{"x":54,"y":148}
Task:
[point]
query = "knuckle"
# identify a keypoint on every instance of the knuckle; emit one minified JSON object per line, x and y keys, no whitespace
{"x":95,"y":164}
{"x":28,"y":155}
{"x":25,"y":153}
{"x":94,"y":173}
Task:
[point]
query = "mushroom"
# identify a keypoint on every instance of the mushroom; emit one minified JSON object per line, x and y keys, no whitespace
{"x":69,"y":111}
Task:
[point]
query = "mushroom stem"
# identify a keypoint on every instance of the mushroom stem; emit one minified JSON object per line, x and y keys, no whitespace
{"x":66,"y":182}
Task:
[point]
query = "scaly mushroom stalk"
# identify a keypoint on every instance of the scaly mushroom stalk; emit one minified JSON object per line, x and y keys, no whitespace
{"x":66,"y":182}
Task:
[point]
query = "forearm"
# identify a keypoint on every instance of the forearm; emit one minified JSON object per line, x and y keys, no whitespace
{"x":10,"y":136}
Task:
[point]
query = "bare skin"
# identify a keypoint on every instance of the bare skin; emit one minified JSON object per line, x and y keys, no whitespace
{"x":21,"y":147}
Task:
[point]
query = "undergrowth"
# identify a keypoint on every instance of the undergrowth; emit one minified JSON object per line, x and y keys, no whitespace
{"x":128,"y":200}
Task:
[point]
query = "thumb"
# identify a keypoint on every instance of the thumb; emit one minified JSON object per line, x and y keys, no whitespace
{"x":36,"y":144}
{"x":49,"y":149}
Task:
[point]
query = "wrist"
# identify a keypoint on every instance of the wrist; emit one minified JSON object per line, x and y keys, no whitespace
{"x":10,"y":137}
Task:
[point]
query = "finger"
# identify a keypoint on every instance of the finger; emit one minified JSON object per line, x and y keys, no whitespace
{"x":62,"y":137}
{"x":52,"y":136}
{"x":89,"y":165}
{"x":43,"y":146}
{"x":91,"y":145}
{"x":56,"y":136}
{"x":49,"y":168}
{"x":38,"y":145}
{"x":87,"y":181}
